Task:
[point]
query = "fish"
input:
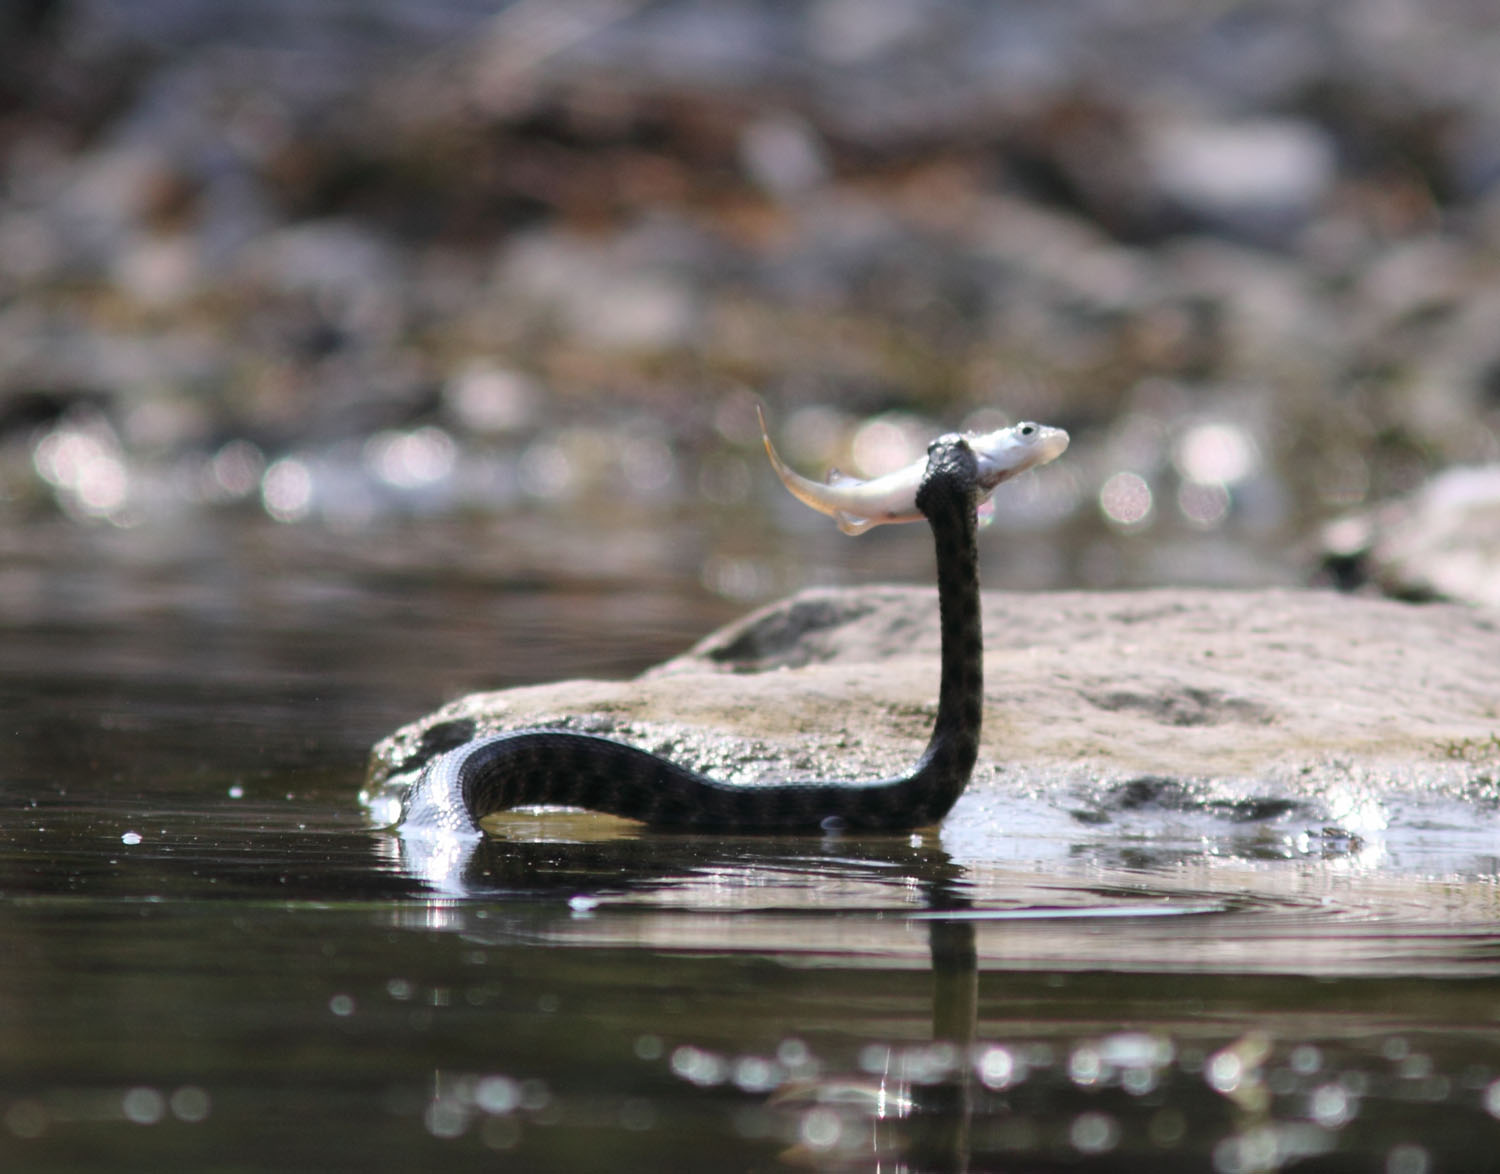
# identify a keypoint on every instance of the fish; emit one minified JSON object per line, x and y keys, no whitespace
{"x":859,"y":505}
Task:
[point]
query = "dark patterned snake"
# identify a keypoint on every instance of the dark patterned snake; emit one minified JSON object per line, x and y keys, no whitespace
{"x":563,"y":768}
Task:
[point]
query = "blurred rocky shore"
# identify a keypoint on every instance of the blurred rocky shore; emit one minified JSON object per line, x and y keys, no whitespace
{"x":341,"y":266}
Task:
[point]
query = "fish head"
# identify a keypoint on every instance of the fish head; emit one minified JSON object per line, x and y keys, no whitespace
{"x":1005,"y":453}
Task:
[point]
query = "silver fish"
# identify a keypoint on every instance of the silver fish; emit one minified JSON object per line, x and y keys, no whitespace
{"x":857,"y":505}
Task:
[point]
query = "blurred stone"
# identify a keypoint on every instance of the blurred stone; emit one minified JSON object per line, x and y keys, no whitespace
{"x":782,"y":154}
{"x":29,"y":249}
{"x":846,"y":32}
{"x":1257,"y":176}
{"x":337,"y":257}
{"x":488,"y":398}
{"x":158,"y":271}
{"x":612,"y":296}
{"x":1441,"y":542}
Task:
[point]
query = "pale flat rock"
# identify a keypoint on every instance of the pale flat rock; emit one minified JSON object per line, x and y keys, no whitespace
{"x":1186,"y":683}
{"x":1335,"y":715}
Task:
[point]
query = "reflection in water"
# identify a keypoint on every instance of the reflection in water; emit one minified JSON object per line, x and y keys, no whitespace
{"x":915,"y":1105}
{"x":912,"y":1105}
{"x":943,"y":1109}
{"x":1017,"y":1062}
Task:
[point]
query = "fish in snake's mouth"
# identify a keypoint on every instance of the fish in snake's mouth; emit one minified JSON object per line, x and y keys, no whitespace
{"x":858,"y":505}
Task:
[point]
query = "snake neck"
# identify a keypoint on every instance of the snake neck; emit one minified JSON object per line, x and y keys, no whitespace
{"x":948,"y":499}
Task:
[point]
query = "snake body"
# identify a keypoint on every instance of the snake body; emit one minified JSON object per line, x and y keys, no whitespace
{"x":524,"y":768}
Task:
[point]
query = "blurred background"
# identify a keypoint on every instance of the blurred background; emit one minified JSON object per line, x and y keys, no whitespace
{"x":422,"y":338}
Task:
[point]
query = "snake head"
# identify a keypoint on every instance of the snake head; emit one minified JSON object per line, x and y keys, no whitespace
{"x":952,"y":467}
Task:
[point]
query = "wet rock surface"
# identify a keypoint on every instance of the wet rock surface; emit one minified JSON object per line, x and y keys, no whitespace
{"x":1104,"y":708}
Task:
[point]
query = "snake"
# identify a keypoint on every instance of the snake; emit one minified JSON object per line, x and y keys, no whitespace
{"x":455,"y":790}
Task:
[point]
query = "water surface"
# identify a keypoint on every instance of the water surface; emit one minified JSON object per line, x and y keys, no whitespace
{"x":213,"y":962}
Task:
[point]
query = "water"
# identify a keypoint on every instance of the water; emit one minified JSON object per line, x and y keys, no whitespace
{"x":213,"y":962}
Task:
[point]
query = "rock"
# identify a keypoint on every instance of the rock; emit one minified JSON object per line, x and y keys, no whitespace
{"x":1271,"y":721}
{"x":1257,"y":177}
{"x":783,"y":155}
{"x":1440,"y":542}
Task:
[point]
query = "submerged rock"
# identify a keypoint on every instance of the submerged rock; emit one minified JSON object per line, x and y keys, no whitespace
{"x":1332,"y":718}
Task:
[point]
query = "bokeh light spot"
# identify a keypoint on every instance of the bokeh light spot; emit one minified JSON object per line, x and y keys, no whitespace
{"x":1215,"y":452}
{"x":1126,"y":500}
{"x":286,"y":490}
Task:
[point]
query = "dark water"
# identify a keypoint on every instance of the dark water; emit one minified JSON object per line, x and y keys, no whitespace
{"x":212,"y":962}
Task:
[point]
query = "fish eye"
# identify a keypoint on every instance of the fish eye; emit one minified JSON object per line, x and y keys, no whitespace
{"x":1026,"y":429}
